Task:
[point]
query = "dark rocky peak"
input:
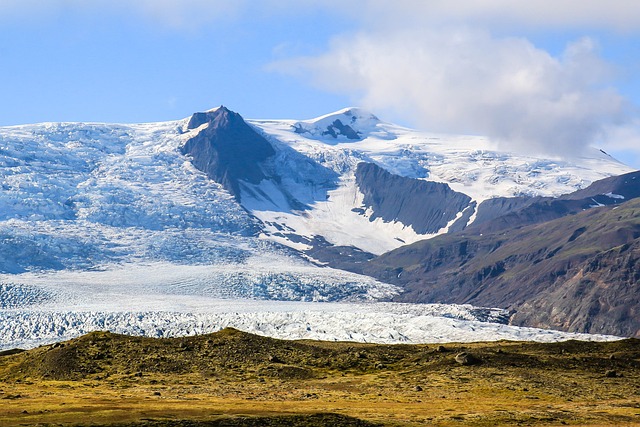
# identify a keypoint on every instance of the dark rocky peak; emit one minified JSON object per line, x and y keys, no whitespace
{"x":220,"y":116}
{"x":228,"y":150}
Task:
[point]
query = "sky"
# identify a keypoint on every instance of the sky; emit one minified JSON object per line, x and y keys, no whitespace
{"x":542,"y":77}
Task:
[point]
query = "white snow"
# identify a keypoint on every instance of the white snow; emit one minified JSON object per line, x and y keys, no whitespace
{"x":329,"y":322}
{"x":160,"y":312}
{"x":615,"y":196}
{"x":468,"y":164}
{"x":108,"y":226}
{"x":334,"y":219}
{"x":361,"y":121}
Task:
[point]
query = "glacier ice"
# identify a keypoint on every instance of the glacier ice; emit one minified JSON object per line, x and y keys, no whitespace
{"x":108,"y":226}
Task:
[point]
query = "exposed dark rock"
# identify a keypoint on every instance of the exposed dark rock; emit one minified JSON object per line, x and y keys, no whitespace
{"x":343,"y":257}
{"x":335,"y":129}
{"x":579,"y":273}
{"x":598,"y":295}
{"x":274,"y":359}
{"x":424,"y":205}
{"x":228,"y":150}
{"x":608,"y":190}
{"x":338,"y":128}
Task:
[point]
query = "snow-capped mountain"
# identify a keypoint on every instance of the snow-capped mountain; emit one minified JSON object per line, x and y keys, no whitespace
{"x":350,"y":179}
{"x":213,"y":206}
{"x":199,"y":190}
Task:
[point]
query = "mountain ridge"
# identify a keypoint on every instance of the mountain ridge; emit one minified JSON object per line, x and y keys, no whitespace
{"x":525,"y":269}
{"x":269,"y":210}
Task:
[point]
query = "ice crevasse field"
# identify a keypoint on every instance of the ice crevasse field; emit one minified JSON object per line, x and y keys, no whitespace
{"x":110,"y":227}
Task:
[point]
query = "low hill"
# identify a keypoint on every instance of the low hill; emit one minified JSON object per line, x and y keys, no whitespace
{"x":232,"y":378}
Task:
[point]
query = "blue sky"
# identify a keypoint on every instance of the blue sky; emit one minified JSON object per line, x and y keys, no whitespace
{"x":549,"y":76}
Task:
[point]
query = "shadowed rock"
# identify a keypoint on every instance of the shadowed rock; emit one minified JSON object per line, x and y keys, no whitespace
{"x":228,"y":150}
{"x":424,"y":205}
{"x":466,"y":359}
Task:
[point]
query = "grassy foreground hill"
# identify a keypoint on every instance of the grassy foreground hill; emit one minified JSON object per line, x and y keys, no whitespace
{"x":232,"y":378}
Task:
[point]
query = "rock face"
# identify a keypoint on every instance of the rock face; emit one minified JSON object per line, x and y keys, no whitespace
{"x":228,"y":149}
{"x":335,"y":129}
{"x":602,"y":294}
{"x":424,"y":205}
{"x":579,"y":273}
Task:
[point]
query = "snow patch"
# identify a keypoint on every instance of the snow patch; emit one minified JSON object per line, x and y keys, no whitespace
{"x":614,"y":196}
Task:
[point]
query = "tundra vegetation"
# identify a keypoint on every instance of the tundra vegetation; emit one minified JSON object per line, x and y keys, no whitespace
{"x":231,"y":378}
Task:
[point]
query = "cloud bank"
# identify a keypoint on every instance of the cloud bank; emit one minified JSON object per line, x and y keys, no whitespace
{"x":465,"y":80}
{"x":620,"y":15}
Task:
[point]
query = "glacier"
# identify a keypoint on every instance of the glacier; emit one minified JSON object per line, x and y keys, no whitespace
{"x":111,"y":226}
{"x":169,"y":301}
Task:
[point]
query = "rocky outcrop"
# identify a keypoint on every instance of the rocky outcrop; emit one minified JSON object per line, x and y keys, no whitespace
{"x":228,"y":150}
{"x":600,"y":295}
{"x":335,"y":129}
{"x":426,"y":206}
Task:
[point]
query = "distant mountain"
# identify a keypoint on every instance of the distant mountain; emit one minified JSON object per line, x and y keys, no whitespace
{"x":278,"y":209}
{"x":351,"y":180}
{"x":556,"y":263}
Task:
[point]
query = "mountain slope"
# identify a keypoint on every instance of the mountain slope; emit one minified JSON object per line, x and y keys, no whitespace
{"x":82,"y":197}
{"x":427,"y":207}
{"x":171,"y":215}
{"x":498,"y":213}
{"x":226,"y":148}
{"x":578,"y":273}
{"x":370,"y":169}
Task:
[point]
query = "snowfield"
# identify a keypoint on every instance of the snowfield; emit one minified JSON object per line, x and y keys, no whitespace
{"x":109,"y":226}
{"x":472,"y":165}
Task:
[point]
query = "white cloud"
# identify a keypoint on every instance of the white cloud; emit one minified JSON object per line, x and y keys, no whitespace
{"x":463,"y":80}
{"x":622,"y":15}
{"x":625,"y":140}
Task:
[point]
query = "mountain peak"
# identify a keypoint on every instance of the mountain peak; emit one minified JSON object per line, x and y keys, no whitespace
{"x":350,"y":123}
{"x":351,"y":114}
{"x":228,"y":149}
{"x":214,"y":115}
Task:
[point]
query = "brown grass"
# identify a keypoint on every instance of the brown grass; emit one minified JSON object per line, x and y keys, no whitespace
{"x":105,"y":379}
